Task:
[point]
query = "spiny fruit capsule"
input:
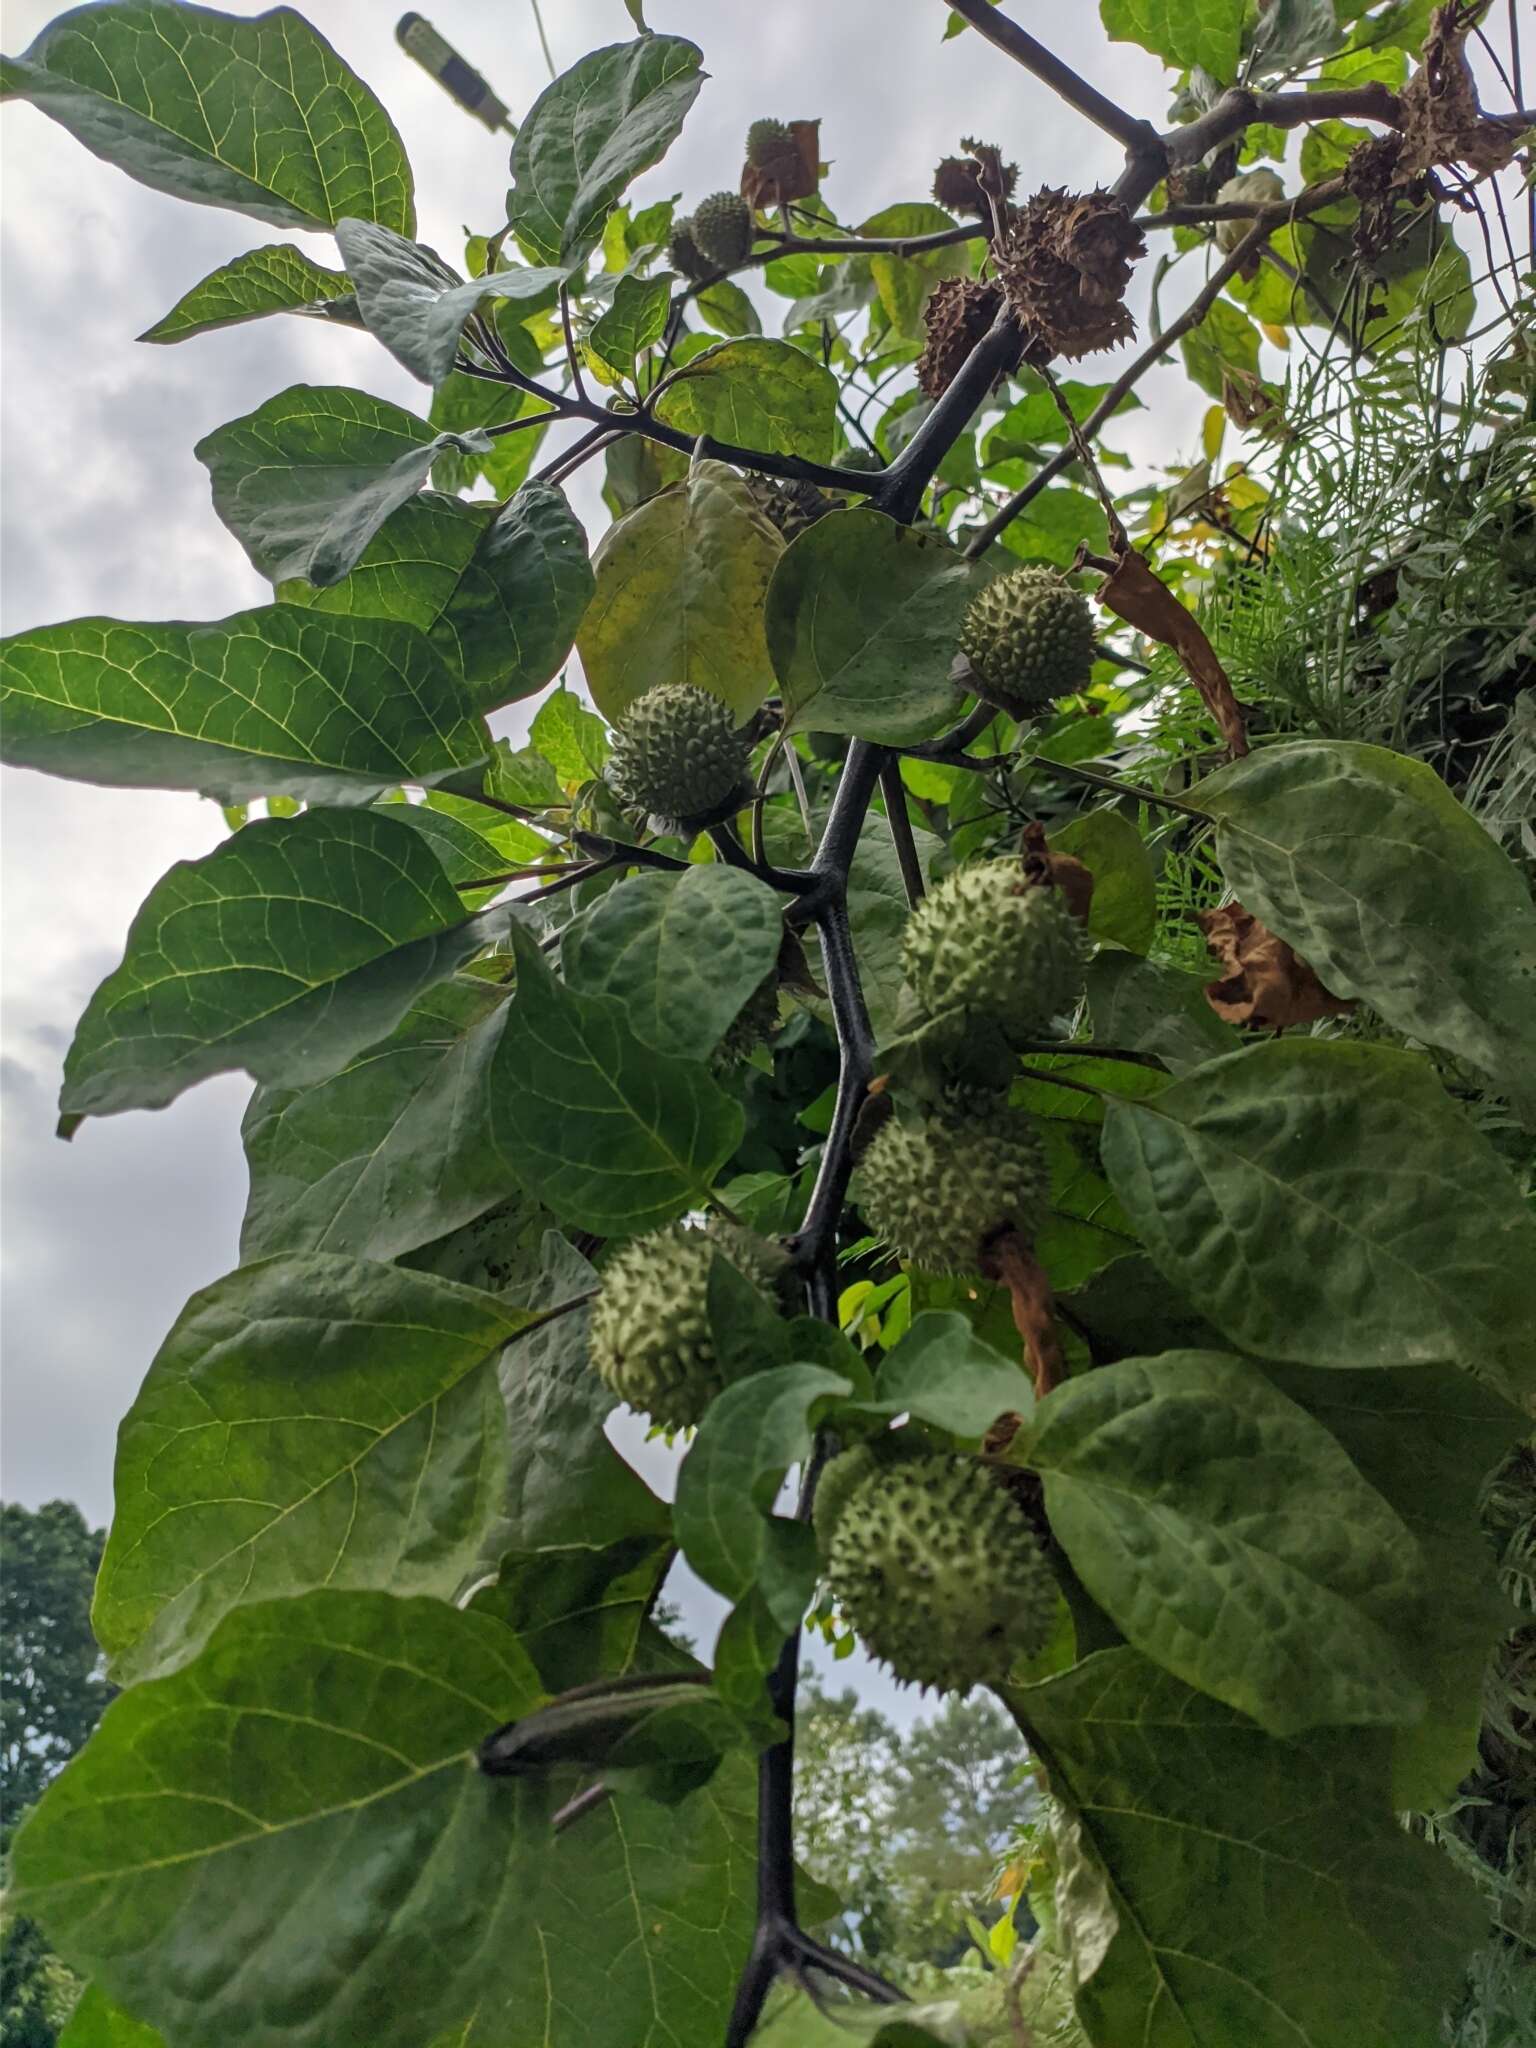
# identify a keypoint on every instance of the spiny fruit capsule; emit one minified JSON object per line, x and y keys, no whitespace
{"x":937,"y":1190}
{"x":685,"y":255}
{"x":650,"y":1338}
{"x":753,"y":1025}
{"x":988,"y":941}
{"x":933,"y":1563}
{"x":677,"y":753}
{"x":1029,"y":637}
{"x":722,"y":227}
{"x":770,"y":146}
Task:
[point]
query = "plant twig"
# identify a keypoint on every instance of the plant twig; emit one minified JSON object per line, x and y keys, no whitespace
{"x":897,"y":817}
{"x":1139,"y":138}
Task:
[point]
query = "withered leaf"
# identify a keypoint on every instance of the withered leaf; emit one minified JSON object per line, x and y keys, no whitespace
{"x":1133,"y":593}
{"x":1266,"y":984}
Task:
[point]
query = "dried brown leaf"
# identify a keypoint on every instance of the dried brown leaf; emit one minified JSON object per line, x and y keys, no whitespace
{"x":1133,"y":593}
{"x":1266,"y":984}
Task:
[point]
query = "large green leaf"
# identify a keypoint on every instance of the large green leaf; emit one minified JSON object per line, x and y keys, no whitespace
{"x":635,"y":318}
{"x":597,"y":126}
{"x":310,"y":1421}
{"x":390,"y":1153}
{"x":756,"y":393}
{"x":267,"y":703}
{"x":1364,"y":862}
{"x":276,"y":279}
{"x":567,"y":1487}
{"x":307,"y":480}
{"x":414,"y":304}
{"x":1183,"y":33}
{"x":723,"y":1513}
{"x":943,"y":1372}
{"x":499,"y":592}
{"x":297,"y":1798}
{"x":1231,"y":1539}
{"x":1327,"y":1204}
{"x":284,"y":951}
{"x":1124,"y":907}
{"x":259,"y":115}
{"x":1148,"y":1006}
{"x":97,"y":2023}
{"x":1242,"y":1890}
{"x":680,"y":587}
{"x":610,"y":1135}
{"x":905,"y":282}
{"x":1426,"y":1438}
{"x":681,"y":952}
{"x":863,"y":622}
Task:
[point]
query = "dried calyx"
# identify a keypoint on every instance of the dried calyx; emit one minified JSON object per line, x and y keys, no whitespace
{"x":962,"y":184}
{"x":1065,"y":264}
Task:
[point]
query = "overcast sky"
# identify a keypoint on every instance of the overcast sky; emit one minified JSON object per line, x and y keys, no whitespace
{"x":106,"y":510}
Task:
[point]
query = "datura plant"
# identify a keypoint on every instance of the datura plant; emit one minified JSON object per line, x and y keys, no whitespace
{"x":792,"y":1034}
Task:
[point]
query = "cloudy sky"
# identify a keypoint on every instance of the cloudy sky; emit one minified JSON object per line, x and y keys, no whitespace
{"x":106,"y":511}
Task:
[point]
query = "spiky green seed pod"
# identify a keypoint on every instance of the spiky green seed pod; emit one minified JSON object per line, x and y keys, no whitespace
{"x":1029,"y":637}
{"x":650,"y":1338}
{"x":685,"y":255}
{"x":753,"y":1025}
{"x":678,"y":754}
{"x":722,"y":227}
{"x":791,"y":503}
{"x":770,"y":144}
{"x":846,"y":1473}
{"x":940,"y":1573}
{"x":938,"y":1190}
{"x":987,"y":941}
{"x":764,"y":1261}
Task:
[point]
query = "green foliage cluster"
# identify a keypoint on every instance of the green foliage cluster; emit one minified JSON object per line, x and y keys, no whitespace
{"x":1224,"y":1333}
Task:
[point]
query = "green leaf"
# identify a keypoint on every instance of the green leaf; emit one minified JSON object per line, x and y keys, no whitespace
{"x":1124,"y":907}
{"x":308,"y":1422}
{"x":567,"y":1487}
{"x":267,"y":703}
{"x":328,"y":1734}
{"x":389,"y":1153}
{"x":570,"y":738}
{"x":259,"y":115}
{"x":276,"y":279}
{"x":475,"y":845}
{"x":681,"y":582}
{"x":612,"y":1136}
{"x":727,"y":1484}
{"x":579,"y":1612}
{"x":1326,"y":1204}
{"x":1224,"y":340}
{"x":613,"y":114}
{"x":1056,"y":523}
{"x":414,"y":304}
{"x":756,"y":393}
{"x":307,"y":480}
{"x":904,"y":283}
{"x":682,"y":953}
{"x":863,"y":622}
{"x":1426,"y":1438}
{"x":285,"y":951}
{"x":1248,"y":1890}
{"x":1231,"y":1539}
{"x":97,"y":2023}
{"x":1148,"y":1006}
{"x":498,"y":592}
{"x":725,"y":307}
{"x":1183,"y":33}
{"x":636,"y":317}
{"x":1364,"y":862}
{"x":944,"y":1373}
{"x":1037,"y":417}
